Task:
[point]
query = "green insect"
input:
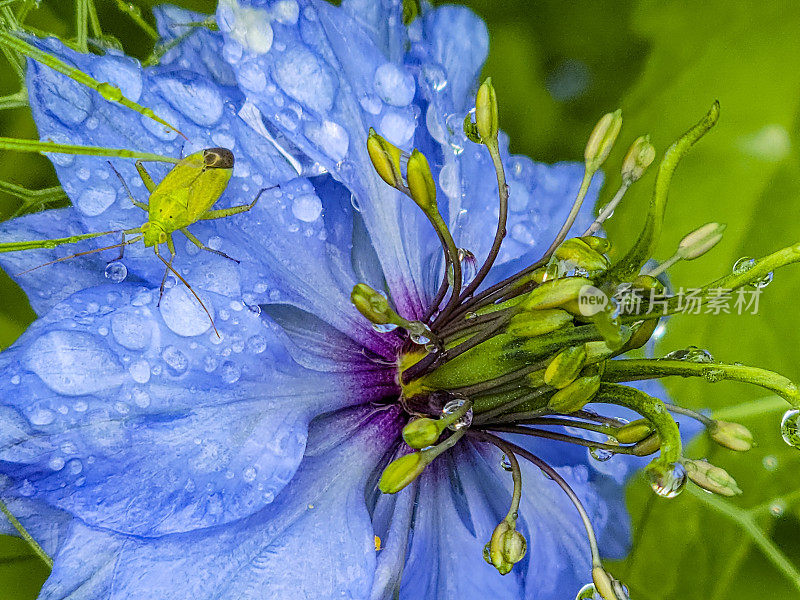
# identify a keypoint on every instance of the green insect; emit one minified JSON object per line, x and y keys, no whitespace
{"x":186,"y":195}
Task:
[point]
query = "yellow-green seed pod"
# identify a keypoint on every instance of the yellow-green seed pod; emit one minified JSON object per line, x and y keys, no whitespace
{"x":385,"y":159}
{"x":634,"y":432}
{"x":420,"y":182}
{"x":539,"y":322}
{"x":711,"y":478}
{"x":602,"y":140}
{"x":401,"y":472}
{"x":640,"y":156}
{"x":733,"y":436}
{"x":554,"y":293}
{"x":421,"y":433}
{"x":578,"y":252}
{"x":575,"y":396}
{"x":486,"y":117}
{"x":565,"y":367}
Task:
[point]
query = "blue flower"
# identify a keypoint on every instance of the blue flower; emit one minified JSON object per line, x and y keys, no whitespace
{"x":154,"y":459}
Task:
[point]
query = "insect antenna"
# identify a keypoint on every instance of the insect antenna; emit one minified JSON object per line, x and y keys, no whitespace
{"x":186,"y":283}
{"x":84,"y":253}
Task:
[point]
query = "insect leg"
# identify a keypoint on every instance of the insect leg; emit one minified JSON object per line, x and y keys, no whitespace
{"x":146,"y":179}
{"x":136,"y":203}
{"x":202,"y":246}
{"x":84,"y":253}
{"x":233,"y":210}
{"x":121,"y":250}
{"x":166,"y":272}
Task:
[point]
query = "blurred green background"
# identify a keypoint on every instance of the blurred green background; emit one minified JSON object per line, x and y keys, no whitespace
{"x":557,"y":66}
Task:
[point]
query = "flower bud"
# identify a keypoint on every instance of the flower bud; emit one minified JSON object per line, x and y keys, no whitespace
{"x":538,"y":322}
{"x":700,"y":241}
{"x":555,"y":292}
{"x":711,"y":478}
{"x":640,"y":156}
{"x":506,"y":547}
{"x":565,"y":367}
{"x":401,"y":471}
{"x":634,"y":432}
{"x":385,"y":158}
{"x":577,"y":252}
{"x":575,"y":396}
{"x":598,"y":244}
{"x":486,"y":119}
{"x":731,"y":435}
{"x":608,"y":587}
{"x":420,"y":182}
{"x":602,"y":140}
{"x":421,"y":433}
{"x":374,"y":306}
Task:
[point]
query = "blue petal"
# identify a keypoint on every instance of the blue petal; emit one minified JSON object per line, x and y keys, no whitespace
{"x":314,"y":541}
{"x":140,"y":419}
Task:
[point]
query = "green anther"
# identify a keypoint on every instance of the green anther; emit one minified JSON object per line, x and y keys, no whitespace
{"x":374,"y":306}
{"x":421,"y":433}
{"x":597,"y":352}
{"x":385,"y":158}
{"x":605,"y":584}
{"x":649,"y":445}
{"x":598,"y":244}
{"x":645,"y":245}
{"x":402,"y":471}
{"x":640,"y":335}
{"x":576,"y":252}
{"x":711,"y":478}
{"x":10,"y":41}
{"x":602,"y":139}
{"x":575,"y":395}
{"x":51,"y":147}
{"x":554,"y":293}
{"x":733,"y":436}
{"x":565,"y":367}
{"x":700,"y":241}
{"x":487,"y":120}
{"x":651,"y":409}
{"x":640,"y":156}
{"x":538,"y":322}
{"x":411,"y":10}
{"x":421,"y":186}
{"x":633,"y":432}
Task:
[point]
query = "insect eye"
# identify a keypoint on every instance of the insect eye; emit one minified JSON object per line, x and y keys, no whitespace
{"x":218,"y":158}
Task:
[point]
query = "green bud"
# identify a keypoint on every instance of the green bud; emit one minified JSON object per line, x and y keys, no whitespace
{"x":732,"y":436}
{"x":608,"y":587}
{"x":578,"y":253}
{"x":486,"y":118}
{"x":598,"y":244}
{"x":411,"y":10}
{"x":506,"y":547}
{"x":421,"y":433}
{"x":640,"y":156}
{"x":647,"y":282}
{"x":575,"y":396}
{"x":372,"y":305}
{"x":514,"y":546}
{"x":700,"y":241}
{"x":640,"y":335}
{"x":555,"y":292}
{"x":602,"y":140}
{"x":597,"y":351}
{"x":539,"y":322}
{"x":711,"y":478}
{"x":634,"y":432}
{"x":649,"y":445}
{"x":401,"y":471}
{"x":420,"y":182}
{"x":385,"y":158}
{"x":565,"y":367}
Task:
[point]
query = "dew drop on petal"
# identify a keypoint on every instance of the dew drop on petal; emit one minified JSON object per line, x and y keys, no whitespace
{"x":670,"y":483}
{"x":746,"y":263}
{"x":395,"y":86}
{"x":384,"y":327}
{"x":95,"y":200}
{"x":140,"y":371}
{"x":307,"y":207}
{"x":56,"y":463}
{"x":770,"y":462}
{"x":183,"y":314}
{"x":116,"y":272}
{"x":397,"y":127}
{"x":303,"y":77}
{"x":176,"y":361}
{"x":230,"y":372}
{"x":330,"y":137}
{"x":194,"y":97}
{"x":42,"y":416}
{"x":790,"y":427}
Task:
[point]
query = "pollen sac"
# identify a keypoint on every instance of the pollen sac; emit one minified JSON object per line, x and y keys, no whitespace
{"x":602,"y":140}
{"x":733,"y":436}
{"x":711,"y":478}
{"x":575,"y":395}
{"x":565,"y":367}
{"x":421,"y":433}
{"x":401,"y":472}
{"x":640,"y":156}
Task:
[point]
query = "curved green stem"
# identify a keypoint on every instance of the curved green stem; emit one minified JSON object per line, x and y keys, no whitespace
{"x":18,"y":145}
{"x":37,"y":549}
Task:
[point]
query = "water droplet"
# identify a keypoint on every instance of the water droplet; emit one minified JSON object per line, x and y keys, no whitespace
{"x":42,"y":416}
{"x":790,"y":427}
{"x":110,"y":92}
{"x":56,"y":463}
{"x":307,"y":208}
{"x":746,"y":263}
{"x":455,"y":130}
{"x":195,"y":97}
{"x":230,"y":372}
{"x":588,"y":592}
{"x":770,"y":462}
{"x":600,"y":454}
{"x":777,"y":508}
{"x":691,"y":354}
{"x":471,"y":315}
{"x":670,"y":483}
{"x":183,"y":314}
{"x":95,"y":200}
{"x":116,"y":272}
{"x":469,"y":265}
{"x":331,"y":138}
{"x":713,"y":375}
{"x":354,"y":203}
{"x":505,"y":464}
{"x":421,"y":337}
{"x":249,"y":474}
{"x":140,"y":371}
{"x":395,"y":86}
{"x":176,"y":361}
{"x":305,"y":78}
{"x":384,"y":327}
{"x":451,"y":407}
{"x":256,"y":344}
{"x":397,"y":127}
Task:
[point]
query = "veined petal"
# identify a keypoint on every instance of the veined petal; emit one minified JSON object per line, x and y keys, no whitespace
{"x":139,"y":419}
{"x":314,"y":541}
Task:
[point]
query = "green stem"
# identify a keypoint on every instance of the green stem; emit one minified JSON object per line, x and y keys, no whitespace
{"x":82,"y":24}
{"x":638,"y":369}
{"x":136,"y":15}
{"x":34,"y":244}
{"x":18,"y":145}
{"x":26,"y":536}
{"x":576,"y":207}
